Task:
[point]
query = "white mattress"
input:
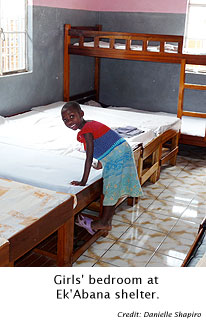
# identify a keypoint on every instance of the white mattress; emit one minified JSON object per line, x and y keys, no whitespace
{"x":193,"y":126}
{"x":39,"y":131}
{"x":43,"y":129}
{"x":158,"y":122}
{"x":38,"y":149}
{"x":44,"y":170}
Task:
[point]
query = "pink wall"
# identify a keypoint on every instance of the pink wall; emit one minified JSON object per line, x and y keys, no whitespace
{"x":69,"y":4}
{"x":167,"y":6}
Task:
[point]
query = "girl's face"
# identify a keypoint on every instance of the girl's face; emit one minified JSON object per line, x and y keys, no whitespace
{"x":73,"y":119}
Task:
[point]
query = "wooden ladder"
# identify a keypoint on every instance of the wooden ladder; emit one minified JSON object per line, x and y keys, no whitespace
{"x":198,"y":141}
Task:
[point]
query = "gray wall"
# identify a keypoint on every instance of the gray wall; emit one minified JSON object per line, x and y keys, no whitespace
{"x":146,"y":85}
{"x":45,"y":83}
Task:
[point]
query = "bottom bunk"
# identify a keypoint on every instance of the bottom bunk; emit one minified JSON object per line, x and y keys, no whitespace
{"x":193,"y":131}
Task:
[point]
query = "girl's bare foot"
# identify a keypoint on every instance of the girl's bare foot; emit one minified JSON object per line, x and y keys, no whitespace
{"x":98,"y":225}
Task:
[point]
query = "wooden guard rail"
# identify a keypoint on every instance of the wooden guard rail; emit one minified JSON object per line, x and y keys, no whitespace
{"x":96,"y":36}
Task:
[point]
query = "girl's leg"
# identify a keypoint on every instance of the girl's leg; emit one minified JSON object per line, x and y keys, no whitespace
{"x":105,"y":222}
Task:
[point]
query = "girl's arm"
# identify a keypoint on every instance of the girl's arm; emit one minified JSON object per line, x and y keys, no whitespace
{"x":88,"y":162}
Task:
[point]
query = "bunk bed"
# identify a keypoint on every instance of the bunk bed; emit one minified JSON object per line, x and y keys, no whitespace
{"x":93,"y":42}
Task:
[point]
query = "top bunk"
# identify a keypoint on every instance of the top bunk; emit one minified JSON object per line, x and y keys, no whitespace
{"x":92,"y":41}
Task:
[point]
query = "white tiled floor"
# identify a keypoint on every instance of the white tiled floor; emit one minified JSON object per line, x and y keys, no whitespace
{"x":159,"y":230}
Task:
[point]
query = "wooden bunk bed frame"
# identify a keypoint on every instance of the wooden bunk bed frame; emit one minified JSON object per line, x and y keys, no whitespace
{"x":155,"y":150}
{"x":188,"y":139}
{"x":196,"y":243}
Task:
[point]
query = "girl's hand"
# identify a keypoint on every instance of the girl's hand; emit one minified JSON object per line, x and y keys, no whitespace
{"x":77,"y":183}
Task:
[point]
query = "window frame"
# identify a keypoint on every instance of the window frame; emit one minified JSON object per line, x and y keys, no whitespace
{"x":25,"y":69}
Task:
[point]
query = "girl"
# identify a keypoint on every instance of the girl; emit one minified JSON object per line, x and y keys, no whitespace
{"x":113,"y":154}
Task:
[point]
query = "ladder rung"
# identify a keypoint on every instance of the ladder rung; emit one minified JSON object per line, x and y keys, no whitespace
{"x":194,"y":86}
{"x":194,"y":114}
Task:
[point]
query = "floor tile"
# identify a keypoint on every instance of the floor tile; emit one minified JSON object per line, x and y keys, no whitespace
{"x":118,"y":228}
{"x":130,"y":214}
{"x":167,"y":208}
{"x":177,"y":196}
{"x":126,"y":255}
{"x":159,"y":260}
{"x":171,"y":170}
{"x":193,"y":185}
{"x":98,"y":248}
{"x":156,"y":221}
{"x":199,"y":200}
{"x":84,"y":261}
{"x":182,"y":161}
{"x":175,"y":248}
{"x":195,"y":213}
{"x":184,"y":230}
{"x":104,"y":264}
{"x":143,"y":237}
{"x":152,"y":190}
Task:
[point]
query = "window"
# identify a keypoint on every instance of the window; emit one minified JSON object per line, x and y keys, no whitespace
{"x":13,"y":36}
{"x":195,"y":32}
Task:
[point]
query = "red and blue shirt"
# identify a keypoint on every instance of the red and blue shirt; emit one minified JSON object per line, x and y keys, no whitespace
{"x":105,"y":139}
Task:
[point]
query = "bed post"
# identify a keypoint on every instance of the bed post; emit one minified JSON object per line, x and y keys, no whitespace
{"x":97,"y":70}
{"x":67,"y":40}
{"x":181,"y":89}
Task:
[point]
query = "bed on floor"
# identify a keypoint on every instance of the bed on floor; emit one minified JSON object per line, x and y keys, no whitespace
{"x":31,"y":215}
{"x":196,"y":256}
{"x":48,"y":156}
{"x":39,"y":151}
{"x":45,"y":132}
{"x":93,"y":42}
{"x":28,"y":216}
{"x":4,"y":252}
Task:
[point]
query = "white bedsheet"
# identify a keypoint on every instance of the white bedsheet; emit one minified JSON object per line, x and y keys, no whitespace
{"x":43,"y":129}
{"x":158,"y":122}
{"x":39,"y":131}
{"x":44,"y":170}
{"x":39,"y":150}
